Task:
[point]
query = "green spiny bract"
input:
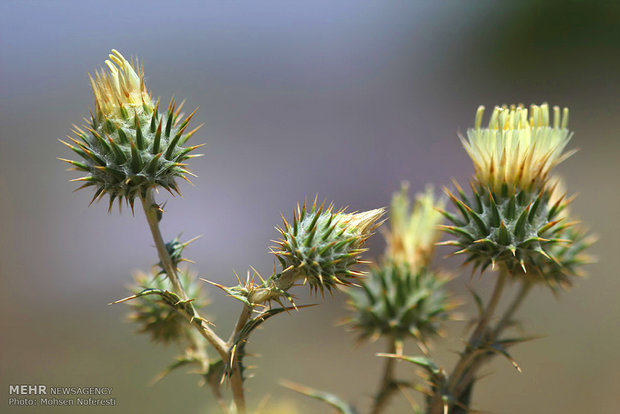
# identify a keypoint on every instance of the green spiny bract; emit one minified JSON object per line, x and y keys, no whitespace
{"x":398,"y":302}
{"x":130,"y":147}
{"x":175,"y":249}
{"x":157,"y":318}
{"x":514,"y":217}
{"x":518,"y":229}
{"x":569,"y":257}
{"x":404,"y":296}
{"x":321,"y":246}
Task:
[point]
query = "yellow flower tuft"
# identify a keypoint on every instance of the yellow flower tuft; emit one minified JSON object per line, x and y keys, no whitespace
{"x":412,"y":236}
{"x":363,"y":223}
{"x":515,"y":149}
{"x":121,"y":89}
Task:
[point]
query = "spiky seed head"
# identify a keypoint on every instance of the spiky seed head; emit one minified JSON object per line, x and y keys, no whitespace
{"x":403,"y":296}
{"x":175,"y":249}
{"x":128,"y":146}
{"x":528,"y":232}
{"x":120,"y":89}
{"x":568,"y":254}
{"x":516,"y":216}
{"x":322,"y":245}
{"x":157,"y":318}
{"x":399,"y":302}
{"x":413,"y":232}
{"x":517,"y":149}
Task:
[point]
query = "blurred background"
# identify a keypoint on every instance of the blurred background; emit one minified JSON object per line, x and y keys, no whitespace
{"x":344,"y":99}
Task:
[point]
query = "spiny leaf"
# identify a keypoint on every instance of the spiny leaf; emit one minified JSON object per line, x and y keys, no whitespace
{"x":328,"y":398}
{"x":424,"y":362}
{"x":178,"y":363}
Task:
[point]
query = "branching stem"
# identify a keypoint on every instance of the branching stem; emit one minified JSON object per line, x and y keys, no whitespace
{"x":525,"y":288}
{"x":236,"y":379}
{"x":284,"y":282}
{"x":151,"y":211}
{"x":387,"y":385}
{"x":503,"y":323}
{"x":468,"y":356}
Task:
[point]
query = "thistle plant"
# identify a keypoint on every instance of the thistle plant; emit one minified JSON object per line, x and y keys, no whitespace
{"x":514,"y":222}
{"x":129,"y":150}
{"x":402,"y":298}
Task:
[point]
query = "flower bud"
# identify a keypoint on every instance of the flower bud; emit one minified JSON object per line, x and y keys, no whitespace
{"x":157,"y":318}
{"x":404,"y":296}
{"x":129,"y":147}
{"x":321,"y":246}
{"x":516,"y":150}
{"x":515,"y":216}
{"x":413,"y":234}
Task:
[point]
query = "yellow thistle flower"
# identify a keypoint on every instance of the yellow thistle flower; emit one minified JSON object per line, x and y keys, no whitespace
{"x":362,"y":223}
{"x":413,"y":234}
{"x":403,"y":296}
{"x":321,"y":246}
{"x":122,"y":89}
{"x":515,"y":149}
{"x":128,"y":146}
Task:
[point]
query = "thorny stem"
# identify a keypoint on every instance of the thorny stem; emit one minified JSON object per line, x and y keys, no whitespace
{"x":236,"y":384}
{"x":284,"y":282}
{"x":387,"y":385}
{"x":220,"y":399}
{"x":236,"y":379}
{"x":245,"y":315}
{"x":455,"y":379}
{"x":501,"y":325}
{"x":486,"y":316}
{"x":526,"y":287}
{"x":151,"y":213}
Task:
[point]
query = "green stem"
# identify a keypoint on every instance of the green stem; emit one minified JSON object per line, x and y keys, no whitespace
{"x":526,"y":287}
{"x":151,"y":213}
{"x":284,"y":281}
{"x":499,"y":328}
{"x":470,"y":353}
{"x":219,"y":398}
{"x":387,"y":385}
{"x":486,"y":316}
{"x":236,"y":379}
{"x":236,"y":384}
{"x":244,"y":317}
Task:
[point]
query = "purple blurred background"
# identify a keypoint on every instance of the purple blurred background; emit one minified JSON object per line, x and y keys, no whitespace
{"x":344,"y":99}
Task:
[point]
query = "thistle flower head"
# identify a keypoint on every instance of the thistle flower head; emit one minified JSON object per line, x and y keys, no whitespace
{"x":413,"y":233}
{"x":322,"y":245}
{"x":121,"y":88}
{"x":157,"y":318}
{"x":517,"y":216}
{"x":403,"y":296}
{"x":517,"y":149}
{"x":400,"y":302}
{"x":130,"y":147}
{"x":566,"y":249}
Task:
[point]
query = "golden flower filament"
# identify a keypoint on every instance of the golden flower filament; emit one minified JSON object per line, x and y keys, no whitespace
{"x":413,"y":234}
{"x":120,"y":91}
{"x":518,"y":148}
